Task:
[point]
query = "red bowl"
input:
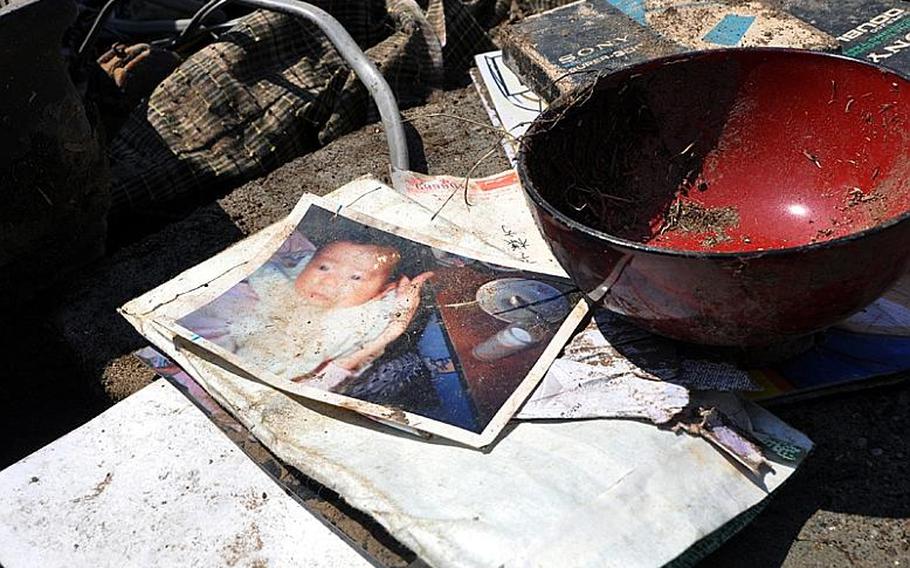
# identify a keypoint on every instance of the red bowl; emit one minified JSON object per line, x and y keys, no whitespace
{"x":733,"y":197}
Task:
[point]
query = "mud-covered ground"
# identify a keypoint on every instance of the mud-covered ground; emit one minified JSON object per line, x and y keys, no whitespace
{"x":66,"y":357}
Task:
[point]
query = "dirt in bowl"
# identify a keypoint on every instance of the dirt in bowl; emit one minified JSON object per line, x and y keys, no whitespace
{"x":616,"y":156}
{"x":686,"y":216}
{"x":621,"y":188}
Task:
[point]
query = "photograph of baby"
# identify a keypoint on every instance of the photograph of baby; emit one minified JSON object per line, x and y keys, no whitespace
{"x":345,"y":311}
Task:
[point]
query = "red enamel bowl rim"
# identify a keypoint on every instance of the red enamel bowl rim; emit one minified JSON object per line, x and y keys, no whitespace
{"x":561,"y":105}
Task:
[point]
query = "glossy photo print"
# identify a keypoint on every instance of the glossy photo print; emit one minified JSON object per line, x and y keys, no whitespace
{"x":424,"y":338}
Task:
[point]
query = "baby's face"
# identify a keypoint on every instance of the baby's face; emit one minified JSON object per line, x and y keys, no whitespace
{"x":344,"y":274}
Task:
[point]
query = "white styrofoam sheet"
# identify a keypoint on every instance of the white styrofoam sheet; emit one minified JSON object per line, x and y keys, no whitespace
{"x":152,"y":482}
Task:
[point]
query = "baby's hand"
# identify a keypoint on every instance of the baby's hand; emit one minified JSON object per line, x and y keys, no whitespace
{"x":407,"y":300}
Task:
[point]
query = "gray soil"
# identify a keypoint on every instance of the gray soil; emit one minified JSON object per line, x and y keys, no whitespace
{"x":68,"y":357}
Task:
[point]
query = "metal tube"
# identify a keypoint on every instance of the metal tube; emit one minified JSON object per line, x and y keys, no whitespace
{"x":198,"y":18}
{"x":368,"y":74}
{"x":89,"y":41}
{"x":183,"y":6}
{"x":140,"y":27}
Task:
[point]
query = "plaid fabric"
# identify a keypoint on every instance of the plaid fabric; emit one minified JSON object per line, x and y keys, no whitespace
{"x":273,"y":88}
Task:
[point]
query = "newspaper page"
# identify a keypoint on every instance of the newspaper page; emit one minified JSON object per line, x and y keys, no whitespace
{"x":493,"y":209}
{"x":597,"y":491}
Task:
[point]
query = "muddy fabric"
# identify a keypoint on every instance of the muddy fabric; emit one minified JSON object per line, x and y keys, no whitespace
{"x":273,"y":87}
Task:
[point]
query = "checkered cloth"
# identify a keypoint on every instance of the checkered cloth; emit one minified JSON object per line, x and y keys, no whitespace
{"x":273,"y":88}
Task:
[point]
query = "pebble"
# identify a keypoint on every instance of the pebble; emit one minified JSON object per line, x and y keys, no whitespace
{"x":876,"y":451}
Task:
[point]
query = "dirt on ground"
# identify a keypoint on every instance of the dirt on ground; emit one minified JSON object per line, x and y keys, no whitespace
{"x":67,"y":357}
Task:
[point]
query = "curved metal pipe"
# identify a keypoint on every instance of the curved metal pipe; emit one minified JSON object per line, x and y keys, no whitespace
{"x":197,"y":19}
{"x":169,"y":27}
{"x":89,"y":41}
{"x":368,"y":74}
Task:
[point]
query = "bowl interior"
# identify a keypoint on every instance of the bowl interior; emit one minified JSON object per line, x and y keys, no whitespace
{"x":728,"y":151}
